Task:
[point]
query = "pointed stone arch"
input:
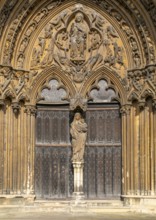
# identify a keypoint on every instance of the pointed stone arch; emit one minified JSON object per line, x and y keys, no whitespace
{"x":44,"y":77}
{"x":114,"y":81}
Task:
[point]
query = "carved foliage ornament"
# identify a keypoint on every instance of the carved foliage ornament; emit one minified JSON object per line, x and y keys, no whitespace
{"x":79,"y":41}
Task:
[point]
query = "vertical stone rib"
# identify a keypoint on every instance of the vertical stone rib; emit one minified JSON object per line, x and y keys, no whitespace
{"x":154,"y":148}
{"x":28,"y":148}
{"x":142,"y":161}
{"x":15,"y":155}
{"x":136,"y":150}
{"x":1,"y":148}
{"x":146,"y":148}
{"x":132,"y":150}
{"x":125,"y":111}
{"x":30,"y":110}
{"x":5,"y":151}
{"x":32,"y":148}
{"x":25,"y":152}
{"x":22,"y":144}
{"x":11,"y":139}
{"x":19,"y":133}
{"x":151,"y":153}
{"x":128,"y":155}
{"x":124,"y":155}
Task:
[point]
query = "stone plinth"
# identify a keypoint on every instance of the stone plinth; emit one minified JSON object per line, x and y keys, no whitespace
{"x":78,"y":180}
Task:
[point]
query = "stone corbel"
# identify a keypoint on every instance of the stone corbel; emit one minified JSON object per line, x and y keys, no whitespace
{"x":78,"y":102}
{"x":142,"y":104}
{"x":16,"y":107}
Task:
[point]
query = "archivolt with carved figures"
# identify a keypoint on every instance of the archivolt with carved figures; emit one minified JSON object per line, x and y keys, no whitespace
{"x":88,"y":56}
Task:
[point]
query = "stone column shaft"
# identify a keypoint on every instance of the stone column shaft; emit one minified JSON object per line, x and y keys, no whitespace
{"x":78,"y":179}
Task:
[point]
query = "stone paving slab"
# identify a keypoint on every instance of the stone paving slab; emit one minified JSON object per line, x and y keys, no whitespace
{"x":64,"y":216}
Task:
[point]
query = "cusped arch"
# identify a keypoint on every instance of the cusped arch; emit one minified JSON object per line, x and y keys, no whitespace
{"x":114,"y":82}
{"x":46,"y":75}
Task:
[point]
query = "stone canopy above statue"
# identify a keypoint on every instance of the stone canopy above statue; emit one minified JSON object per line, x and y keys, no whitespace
{"x":79,"y":40}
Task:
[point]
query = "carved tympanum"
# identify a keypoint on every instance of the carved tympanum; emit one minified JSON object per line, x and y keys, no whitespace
{"x":79,"y":134}
{"x":79,"y":40}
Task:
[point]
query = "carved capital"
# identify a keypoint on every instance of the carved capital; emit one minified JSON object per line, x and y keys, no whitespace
{"x":78,"y":102}
{"x":30,"y":110}
{"x":125,"y":109}
{"x":142,"y":104}
{"x":16,"y":108}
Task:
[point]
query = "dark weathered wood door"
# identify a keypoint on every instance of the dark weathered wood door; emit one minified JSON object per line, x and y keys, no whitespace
{"x":102,"y":174}
{"x":53,"y":168}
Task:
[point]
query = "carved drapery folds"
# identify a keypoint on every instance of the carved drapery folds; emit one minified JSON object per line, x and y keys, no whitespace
{"x":79,"y":135}
{"x":49,"y":56}
{"x":79,"y":40}
{"x":111,"y":8}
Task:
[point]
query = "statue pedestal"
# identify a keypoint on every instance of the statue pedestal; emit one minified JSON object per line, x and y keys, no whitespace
{"x":78,"y":193}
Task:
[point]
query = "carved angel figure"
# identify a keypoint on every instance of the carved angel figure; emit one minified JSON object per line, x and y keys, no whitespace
{"x":79,"y":134}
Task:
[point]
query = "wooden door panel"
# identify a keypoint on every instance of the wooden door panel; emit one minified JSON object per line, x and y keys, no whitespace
{"x":102,"y":174}
{"x":53,"y":172}
{"x":53,"y":168}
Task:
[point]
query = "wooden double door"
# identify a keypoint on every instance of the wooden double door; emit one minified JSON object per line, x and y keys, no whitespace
{"x":53,"y":152}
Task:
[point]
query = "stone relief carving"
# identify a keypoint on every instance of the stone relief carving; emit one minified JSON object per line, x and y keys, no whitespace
{"x":16,"y":25}
{"x":5,"y":12}
{"x":79,"y":43}
{"x":79,"y":135}
{"x":14,"y":84}
{"x":141,"y":83}
{"x":62,"y":43}
{"x":142,"y":26}
{"x":129,"y":6}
